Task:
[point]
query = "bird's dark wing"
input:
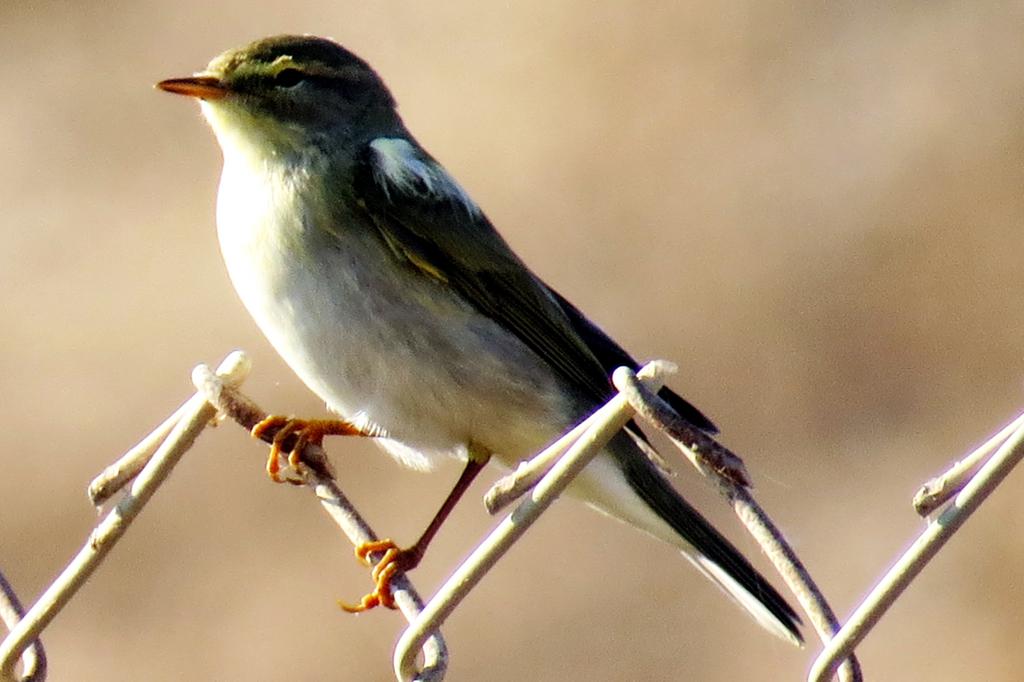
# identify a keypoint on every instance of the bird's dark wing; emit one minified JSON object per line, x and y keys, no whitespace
{"x":429,"y":222}
{"x":611,"y":355}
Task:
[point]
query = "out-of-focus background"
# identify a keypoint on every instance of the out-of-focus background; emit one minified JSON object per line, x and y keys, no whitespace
{"x":816,"y":211}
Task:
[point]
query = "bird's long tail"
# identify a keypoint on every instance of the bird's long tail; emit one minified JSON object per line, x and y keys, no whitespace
{"x":628,"y":487}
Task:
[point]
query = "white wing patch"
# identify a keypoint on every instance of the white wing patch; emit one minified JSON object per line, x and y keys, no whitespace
{"x":399,"y":166}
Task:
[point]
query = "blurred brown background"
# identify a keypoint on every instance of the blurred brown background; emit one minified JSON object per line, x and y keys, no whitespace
{"x":817,"y":211}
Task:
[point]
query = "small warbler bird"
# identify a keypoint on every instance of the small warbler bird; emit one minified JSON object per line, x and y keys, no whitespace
{"x":388,"y":291}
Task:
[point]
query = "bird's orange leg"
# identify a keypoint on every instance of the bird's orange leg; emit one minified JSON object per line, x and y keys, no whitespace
{"x":396,"y":559}
{"x":292,"y":435}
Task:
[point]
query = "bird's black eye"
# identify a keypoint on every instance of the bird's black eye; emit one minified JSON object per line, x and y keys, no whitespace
{"x":288,"y":78}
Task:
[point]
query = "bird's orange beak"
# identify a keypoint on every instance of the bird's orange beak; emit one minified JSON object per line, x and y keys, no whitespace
{"x":200,"y":87}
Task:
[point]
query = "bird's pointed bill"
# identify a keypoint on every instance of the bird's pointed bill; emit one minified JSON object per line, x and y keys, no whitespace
{"x":201,"y":87}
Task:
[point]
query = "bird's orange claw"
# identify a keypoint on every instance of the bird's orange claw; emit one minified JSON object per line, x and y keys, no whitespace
{"x":394,"y":560}
{"x":304,"y":431}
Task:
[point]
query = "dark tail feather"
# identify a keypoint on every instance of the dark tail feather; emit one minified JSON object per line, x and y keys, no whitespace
{"x":716,"y":556}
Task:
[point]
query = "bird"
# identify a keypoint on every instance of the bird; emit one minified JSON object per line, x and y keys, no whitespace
{"x":389,"y":292}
